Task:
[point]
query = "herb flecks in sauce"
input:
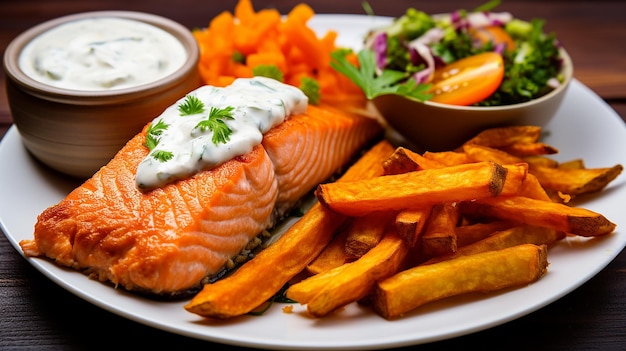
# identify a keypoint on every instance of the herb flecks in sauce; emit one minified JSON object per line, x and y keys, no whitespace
{"x":102,"y":53}
{"x":212,"y":125}
{"x":215,"y":122}
{"x":191,"y":106}
{"x":154,"y":134}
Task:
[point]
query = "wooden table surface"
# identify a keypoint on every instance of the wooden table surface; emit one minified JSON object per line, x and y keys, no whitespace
{"x":37,"y":314}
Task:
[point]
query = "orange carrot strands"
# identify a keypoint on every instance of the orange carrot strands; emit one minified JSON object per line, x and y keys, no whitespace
{"x":235,"y":43}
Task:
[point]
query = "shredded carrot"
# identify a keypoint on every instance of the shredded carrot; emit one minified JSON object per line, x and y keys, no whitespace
{"x":235,"y":43}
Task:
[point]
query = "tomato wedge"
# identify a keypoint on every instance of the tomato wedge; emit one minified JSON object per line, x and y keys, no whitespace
{"x":495,"y":34}
{"x":469,"y":80}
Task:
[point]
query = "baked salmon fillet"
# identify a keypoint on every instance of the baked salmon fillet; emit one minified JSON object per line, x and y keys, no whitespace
{"x":170,"y":240}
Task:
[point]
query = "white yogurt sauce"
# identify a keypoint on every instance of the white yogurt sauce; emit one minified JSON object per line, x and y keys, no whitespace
{"x":258,"y":104}
{"x":101,"y":54}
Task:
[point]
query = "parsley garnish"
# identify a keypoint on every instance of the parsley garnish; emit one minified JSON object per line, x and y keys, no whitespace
{"x":162,"y":156}
{"x":215,"y":123}
{"x":238,"y":57}
{"x":154,"y":134}
{"x":375,"y":84}
{"x":191,"y":106}
{"x":311,"y":88}
{"x":269,"y":71}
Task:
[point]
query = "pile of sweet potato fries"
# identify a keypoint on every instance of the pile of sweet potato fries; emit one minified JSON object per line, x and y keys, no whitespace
{"x":401,"y":229}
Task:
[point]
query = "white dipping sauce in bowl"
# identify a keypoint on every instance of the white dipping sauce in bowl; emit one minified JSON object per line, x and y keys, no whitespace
{"x":80,"y":86}
{"x":102,"y":53}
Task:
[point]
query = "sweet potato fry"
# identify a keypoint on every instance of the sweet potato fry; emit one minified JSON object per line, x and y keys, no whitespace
{"x":366,"y":232}
{"x":401,"y":161}
{"x":483,"y":272}
{"x":333,"y":255}
{"x":370,"y":164}
{"x":577,"y":163}
{"x":471,"y":233}
{"x":427,"y":187}
{"x":447,"y":158}
{"x":439,"y":237}
{"x":260,"y":278}
{"x":569,"y":179}
{"x":576,"y":181}
{"x":330,"y":290}
{"x":529,"y":149}
{"x":477,"y":153}
{"x":505,"y":136}
{"x":517,"y":235}
{"x":572,"y":220}
{"x":533,"y":188}
{"x":404,"y":160}
{"x":541,"y":161}
{"x":410,"y":222}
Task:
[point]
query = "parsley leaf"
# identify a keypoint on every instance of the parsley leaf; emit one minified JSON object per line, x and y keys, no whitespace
{"x":215,"y":123}
{"x":311,"y":88}
{"x":375,"y":84}
{"x":269,"y":71}
{"x":238,"y":57}
{"x":162,"y":156}
{"x":154,"y":134}
{"x":191,"y":106}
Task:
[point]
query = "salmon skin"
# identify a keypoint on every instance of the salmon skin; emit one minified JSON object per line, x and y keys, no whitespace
{"x":169,"y":240}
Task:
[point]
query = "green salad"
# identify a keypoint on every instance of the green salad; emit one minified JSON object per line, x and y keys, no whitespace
{"x":478,"y":57}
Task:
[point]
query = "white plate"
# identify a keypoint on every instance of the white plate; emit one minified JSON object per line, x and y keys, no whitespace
{"x":585,"y":127}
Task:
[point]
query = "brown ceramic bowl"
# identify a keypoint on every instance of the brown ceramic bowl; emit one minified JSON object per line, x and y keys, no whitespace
{"x":432,"y":126}
{"x":78,"y":131}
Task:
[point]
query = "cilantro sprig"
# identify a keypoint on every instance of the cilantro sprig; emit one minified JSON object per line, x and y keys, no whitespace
{"x":162,"y":155}
{"x":215,"y":122}
{"x":191,"y":106}
{"x":269,"y":71}
{"x":153,"y":136}
{"x":375,"y":83}
{"x":311,"y":88}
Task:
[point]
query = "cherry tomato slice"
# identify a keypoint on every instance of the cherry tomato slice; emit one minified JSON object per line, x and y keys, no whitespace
{"x":469,"y":80}
{"x":495,"y":34}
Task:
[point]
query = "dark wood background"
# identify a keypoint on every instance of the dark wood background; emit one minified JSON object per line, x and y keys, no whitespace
{"x":36,"y":314}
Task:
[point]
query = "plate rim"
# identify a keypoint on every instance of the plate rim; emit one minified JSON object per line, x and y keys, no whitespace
{"x":51,"y":272}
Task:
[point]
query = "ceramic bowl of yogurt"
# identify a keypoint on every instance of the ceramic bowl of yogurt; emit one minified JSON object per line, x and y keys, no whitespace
{"x":80,"y":86}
